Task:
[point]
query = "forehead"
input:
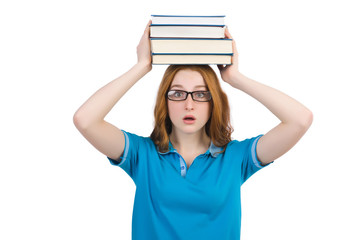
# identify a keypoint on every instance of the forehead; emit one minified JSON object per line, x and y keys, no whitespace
{"x":188,"y":78}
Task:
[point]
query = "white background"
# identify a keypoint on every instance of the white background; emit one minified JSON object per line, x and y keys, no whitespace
{"x":55,"y":54}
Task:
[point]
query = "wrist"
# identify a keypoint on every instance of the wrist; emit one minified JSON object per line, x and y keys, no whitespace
{"x":144,"y":66}
{"x":232,"y":77}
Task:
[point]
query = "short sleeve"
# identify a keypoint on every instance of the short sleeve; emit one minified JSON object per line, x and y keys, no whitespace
{"x":129,"y":159}
{"x":250,"y":163}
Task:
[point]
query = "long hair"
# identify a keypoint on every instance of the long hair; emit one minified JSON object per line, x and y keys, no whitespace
{"x":218,"y":127}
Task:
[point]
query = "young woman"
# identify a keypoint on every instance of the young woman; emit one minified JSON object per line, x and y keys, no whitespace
{"x":188,"y":173}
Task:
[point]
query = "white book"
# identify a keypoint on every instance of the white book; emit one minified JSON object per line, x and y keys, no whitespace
{"x":191,"y":59}
{"x":191,"y":45}
{"x":187,"y":31}
{"x":188,"y":19}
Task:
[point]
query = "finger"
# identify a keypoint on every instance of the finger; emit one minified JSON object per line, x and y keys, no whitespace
{"x":235,"y":50}
{"x":147,"y":29}
{"x":227,"y":33}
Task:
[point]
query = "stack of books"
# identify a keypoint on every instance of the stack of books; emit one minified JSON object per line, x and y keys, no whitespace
{"x":179,"y":39}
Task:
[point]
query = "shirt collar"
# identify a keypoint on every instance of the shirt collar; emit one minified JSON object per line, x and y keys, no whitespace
{"x":213,"y":150}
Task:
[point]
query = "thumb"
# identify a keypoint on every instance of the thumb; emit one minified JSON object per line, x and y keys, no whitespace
{"x":227,"y":33}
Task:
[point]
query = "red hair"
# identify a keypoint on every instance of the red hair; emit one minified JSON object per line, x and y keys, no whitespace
{"x":218,"y":127}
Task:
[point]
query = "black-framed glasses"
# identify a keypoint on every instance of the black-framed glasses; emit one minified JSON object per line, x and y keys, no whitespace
{"x":180,"y":95}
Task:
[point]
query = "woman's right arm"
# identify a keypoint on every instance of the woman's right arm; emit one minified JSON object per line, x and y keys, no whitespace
{"x":89,"y":118}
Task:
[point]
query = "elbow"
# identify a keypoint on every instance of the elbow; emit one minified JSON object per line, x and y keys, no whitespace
{"x":84,"y":122}
{"x":79,"y":121}
{"x":309,"y":118}
{"x":305,"y":120}
{"x":301,"y":122}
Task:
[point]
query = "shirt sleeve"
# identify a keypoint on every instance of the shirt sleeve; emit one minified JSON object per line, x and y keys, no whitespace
{"x":250,"y":163}
{"x":129,"y":159}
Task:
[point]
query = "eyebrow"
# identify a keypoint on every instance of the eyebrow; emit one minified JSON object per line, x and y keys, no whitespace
{"x":180,"y":86}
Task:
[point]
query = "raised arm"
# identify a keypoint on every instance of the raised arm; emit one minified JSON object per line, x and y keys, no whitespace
{"x":89,"y":118}
{"x":295,"y":118}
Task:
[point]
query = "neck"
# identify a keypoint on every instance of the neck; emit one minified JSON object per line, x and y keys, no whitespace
{"x":190,"y":142}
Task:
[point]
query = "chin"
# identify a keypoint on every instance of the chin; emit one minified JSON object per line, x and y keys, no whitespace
{"x":191,"y":129}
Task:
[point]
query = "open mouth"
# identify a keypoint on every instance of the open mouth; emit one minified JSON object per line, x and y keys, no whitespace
{"x":189,"y":119}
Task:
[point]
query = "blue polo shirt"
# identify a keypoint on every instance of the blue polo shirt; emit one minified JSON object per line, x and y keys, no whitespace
{"x":201,"y":202}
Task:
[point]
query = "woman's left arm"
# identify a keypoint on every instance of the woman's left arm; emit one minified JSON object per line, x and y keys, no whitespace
{"x":295,"y":118}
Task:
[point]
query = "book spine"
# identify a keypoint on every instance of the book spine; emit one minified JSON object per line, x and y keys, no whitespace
{"x":197,"y":39}
{"x":184,"y":25}
{"x":193,"y":16}
{"x":187,"y":54}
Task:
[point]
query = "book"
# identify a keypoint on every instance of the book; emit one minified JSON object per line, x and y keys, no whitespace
{"x":186,"y":31}
{"x":191,"y":59}
{"x":191,"y":46}
{"x":188,"y":19}
{"x":180,"y":39}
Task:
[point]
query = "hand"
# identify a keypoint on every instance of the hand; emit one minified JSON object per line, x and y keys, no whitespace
{"x":229,"y":72}
{"x":144,"y":48}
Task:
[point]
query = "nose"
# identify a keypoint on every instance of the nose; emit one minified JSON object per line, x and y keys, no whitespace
{"x":189,"y":103}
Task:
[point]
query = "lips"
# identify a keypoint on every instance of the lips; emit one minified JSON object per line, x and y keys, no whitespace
{"x":189,"y":119}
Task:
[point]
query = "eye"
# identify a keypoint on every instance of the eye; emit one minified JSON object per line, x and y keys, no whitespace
{"x":177,"y":94}
{"x":200,"y":95}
